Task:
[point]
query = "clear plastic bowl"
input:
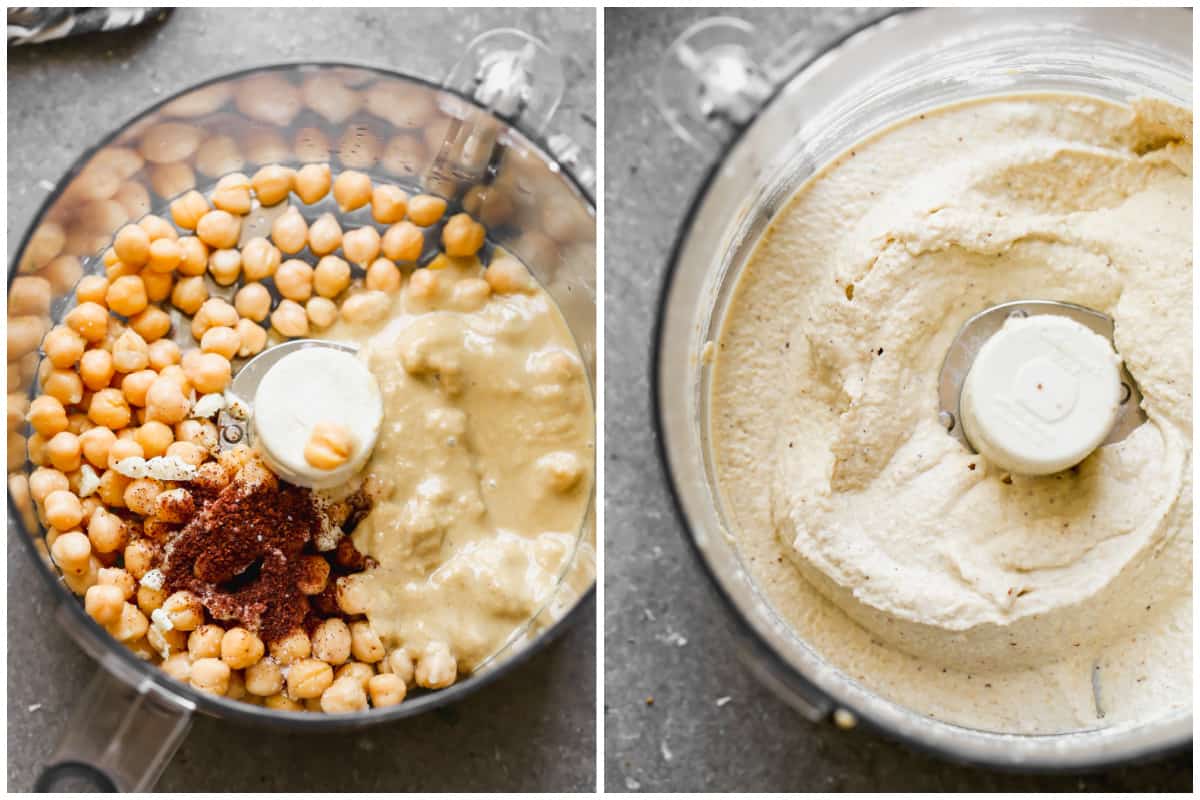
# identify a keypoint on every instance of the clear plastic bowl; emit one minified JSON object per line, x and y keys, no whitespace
{"x":859,"y":83}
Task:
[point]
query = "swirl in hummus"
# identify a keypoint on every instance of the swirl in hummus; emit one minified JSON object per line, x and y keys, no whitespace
{"x":971,"y":595}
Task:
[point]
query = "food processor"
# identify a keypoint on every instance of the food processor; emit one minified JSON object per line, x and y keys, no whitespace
{"x":483,"y":139}
{"x":768,"y":120}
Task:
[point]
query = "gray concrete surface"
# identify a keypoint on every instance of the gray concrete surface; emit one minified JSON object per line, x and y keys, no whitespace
{"x":534,"y":729}
{"x":668,"y":658}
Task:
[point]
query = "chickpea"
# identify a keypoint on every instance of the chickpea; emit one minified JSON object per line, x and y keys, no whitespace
{"x":260,"y":259}
{"x":508,"y":276}
{"x":176,"y":372}
{"x":329,"y":445}
{"x":290,"y":320}
{"x":115,"y":576}
{"x":64,"y":385}
{"x":225,"y":266}
{"x":89,"y":320}
{"x":388,"y":204}
{"x":96,"y":443}
{"x":168,"y":180}
{"x":127,"y":295}
{"x":189,"y":294}
{"x":272,"y":184}
{"x":178,"y":666}
{"x":386,"y":690}
{"x":72,"y":551}
{"x":166,"y":403}
{"x":154,"y":437}
{"x":325,"y":235}
{"x":212,"y":374}
{"x":225,"y":342}
{"x":281,"y":702}
{"x":19,"y":411}
{"x":356,"y":671}
{"x":184,"y":610}
{"x":437,"y":667}
{"x":193,"y":256}
{"x":290,"y":231}
{"x":165,"y":255}
{"x":29,"y":295}
{"x":232,"y":194}
{"x":45,"y":480}
{"x":47,"y":415}
{"x":122,"y":449}
{"x":152,"y":324}
{"x":253,"y":301}
{"x":400,"y":664}
{"x":215,"y":312}
{"x":362,"y":246}
{"x":351,"y":595}
{"x":331,"y":277}
{"x":141,"y":496}
{"x":63,"y":452}
{"x":119,"y":269}
{"x":187,"y":209}
{"x":219,"y":229}
{"x":291,"y":648}
{"x":343,"y":695}
{"x":264,"y":678}
{"x":218,"y":155}
{"x":308,"y":678}
{"x":157,"y":228}
{"x":366,"y":307}
{"x":241,"y":648}
{"x":205,"y":641}
{"x":106,"y":532}
{"x":403,"y":241}
{"x":351,"y":190}
{"x":187,"y":453}
{"x":158,"y":285}
{"x":130,"y":352}
{"x":202,"y":433}
{"x":92,"y":289}
{"x":294,"y":280}
{"x":63,"y":273}
{"x":331,"y":641}
{"x":364,"y":643}
{"x":96,"y":369}
{"x":140,"y":555}
{"x":130,"y":626}
{"x":312,"y":182}
{"x":253,"y":338}
{"x":424,"y":209}
{"x":322,"y":312}
{"x":462,"y":236}
{"x":383,"y":276}
{"x":210,"y":675}
{"x":63,"y":347}
{"x":63,"y":510}
{"x":132,"y":245}
{"x":163,"y":353}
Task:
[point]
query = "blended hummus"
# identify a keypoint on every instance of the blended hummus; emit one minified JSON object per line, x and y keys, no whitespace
{"x":996,"y":601}
{"x":486,"y":453}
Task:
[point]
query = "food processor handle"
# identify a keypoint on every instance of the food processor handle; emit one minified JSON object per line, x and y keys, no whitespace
{"x":123,"y":731}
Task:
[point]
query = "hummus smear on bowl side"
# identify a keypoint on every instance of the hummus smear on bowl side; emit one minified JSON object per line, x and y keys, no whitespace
{"x":996,"y":601}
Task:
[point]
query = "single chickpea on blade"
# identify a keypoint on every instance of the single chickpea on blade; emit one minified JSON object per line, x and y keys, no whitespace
{"x":329,"y":445}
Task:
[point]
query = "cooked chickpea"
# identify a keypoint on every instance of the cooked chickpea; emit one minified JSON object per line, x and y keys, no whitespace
{"x":205,"y":641}
{"x":322,"y":312}
{"x":63,"y":452}
{"x":92,"y":289}
{"x":325,"y":235}
{"x":212,"y":373}
{"x":193,"y":256}
{"x":290,"y":319}
{"x":331,"y":641}
{"x":45,"y":480}
{"x":186,"y":452}
{"x":383,"y":276}
{"x":462,"y":236}
{"x":400,"y":664}
{"x":115,"y":576}
{"x":253,"y":301}
{"x":106,"y":532}
{"x":272,"y":184}
{"x":351,"y":190}
{"x":96,"y":443}
{"x":130,"y":626}
{"x":184,"y":610}
{"x":63,"y":384}
{"x":216,"y":312}
{"x":63,"y":510}
{"x":437,"y":667}
{"x":308,"y":678}
{"x":364,"y":643}
{"x":166,"y":403}
{"x":72,"y":552}
{"x":225,"y":342}
{"x":89,"y":320}
{"x":329,"y":445}
{"x":241,"y":648}
{"x":225,"y":266}
{"x":96,"y":369}
{"x":331,"y":276}
{"x":202,"y":433}
{"x":152,"y":324}
{"x":165,"y":255}
{"x":29,"y":295}
{"x":232,"y":194}
{"x":290,"y":231}
{"x":281,"y":702}
{"x":139,"y":556}
{"x":366,"y":307}
{"x":260,"y":259}
{"x":141,"y":496}
{"x":424,"y":209}
{"x":158,"y":285}
{"x":351,"y":595}
{"x":210,"y":675}
{"x":508,"y":276}
{"x":24,"y":335}
{"x":386,"y":690}
{"x":47,"y":415}
{"x":154,"y":437}
{"x":356,"y":670}
{"x":187,"y":209}
{"x":361,"y":246}
{"x":469,"y":294}
{"x":219,"y":229}
{"x":253,"y":338}
{"x":264,"y":678}
{"x":403,"y":241}
{"x":178,"y":666}
{"x":122,"y":449}
{"x":132,"y":245}
{"x":127,"y":295}
{"x":157,"y":228}
{"x":189,"y":294}
{"x":342,"y":696}
{"x":388,"y":204}
{"x":164,"y":353}
{"x":312,"y":182}
{"x":63,"y":347}
{"x":130,"y":352}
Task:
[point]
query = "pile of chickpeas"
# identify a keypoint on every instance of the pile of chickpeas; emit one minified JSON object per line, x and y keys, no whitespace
{"x":115,"y":386}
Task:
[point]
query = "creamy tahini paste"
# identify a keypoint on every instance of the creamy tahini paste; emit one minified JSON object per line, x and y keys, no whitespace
{"x":909,"y":562}
{"x":486,"y":448}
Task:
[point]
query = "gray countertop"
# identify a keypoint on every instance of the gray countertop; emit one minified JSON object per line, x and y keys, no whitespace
{"x":667,"y":646}
{"x":532,"y":730}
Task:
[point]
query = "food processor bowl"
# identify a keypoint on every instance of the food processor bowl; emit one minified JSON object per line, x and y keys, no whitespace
{"x":483,"y":140}
{"x":824,"y":97}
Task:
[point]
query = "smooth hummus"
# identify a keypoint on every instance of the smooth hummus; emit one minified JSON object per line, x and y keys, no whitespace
{"x":995,"y":601}
{"x":486,"y":449}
